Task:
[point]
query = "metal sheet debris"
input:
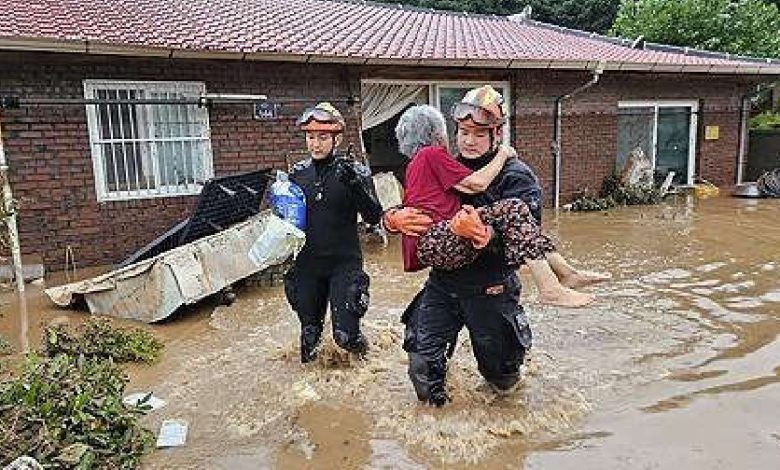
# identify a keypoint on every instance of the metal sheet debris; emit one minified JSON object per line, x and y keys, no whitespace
{"x":222,"y":203}
{"x":152,"y":289}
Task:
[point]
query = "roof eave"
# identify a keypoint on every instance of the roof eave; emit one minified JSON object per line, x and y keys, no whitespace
{"x":108,"y":49}
{"x":275,"y":57}
{"x":391,"y":61}
{"x":490,"y":63}
{"x":334,"y":59}
{"x":443,"y":62}
{"x":43,"y":45}
{"x":80,"y":46}
{"x":201,"y":54}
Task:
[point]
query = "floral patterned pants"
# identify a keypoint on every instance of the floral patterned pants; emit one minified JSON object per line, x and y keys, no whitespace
{"x":521,"y":238}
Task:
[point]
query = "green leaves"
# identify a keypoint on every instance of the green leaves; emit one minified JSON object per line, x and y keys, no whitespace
{"x":73,"y":454}
{"x":5,"y":347}
{"x":67,"y":412}
{"x":587,"y":15}
{"x":65,"y":409}
{"x":745,"y":27}
{"x":97,"y":338}
{"x":765,"y":121}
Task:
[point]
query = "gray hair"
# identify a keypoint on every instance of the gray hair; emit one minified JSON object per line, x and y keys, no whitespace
{"x":420,"y":126}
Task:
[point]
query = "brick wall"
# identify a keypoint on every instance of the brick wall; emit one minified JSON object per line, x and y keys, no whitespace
{"x":50,"y":160}
{"x":51,"y":165}
{"x":589,"y":130}
{"x":590,"y":122}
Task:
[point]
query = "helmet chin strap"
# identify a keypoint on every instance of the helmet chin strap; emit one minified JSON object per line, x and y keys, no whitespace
{"x":493,"y":144}
{"x":333,"y":136}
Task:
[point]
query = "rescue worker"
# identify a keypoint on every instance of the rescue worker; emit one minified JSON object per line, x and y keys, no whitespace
{"x":329,"y":268}
{"x":482,"y":296}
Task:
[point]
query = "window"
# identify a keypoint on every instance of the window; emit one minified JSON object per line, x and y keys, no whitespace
{"x":147,"y":150}
{"x":666,"y":133}
{"x":379,"y":141}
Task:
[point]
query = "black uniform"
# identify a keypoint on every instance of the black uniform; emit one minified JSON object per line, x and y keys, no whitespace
{"x":330,"y":265}
{"x":482,"y":296}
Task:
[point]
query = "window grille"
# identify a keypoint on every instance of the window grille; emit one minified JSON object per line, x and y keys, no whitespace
{"x":148,"y":150}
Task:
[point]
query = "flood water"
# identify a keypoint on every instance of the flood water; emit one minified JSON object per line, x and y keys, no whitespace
{"x":676,"y":366}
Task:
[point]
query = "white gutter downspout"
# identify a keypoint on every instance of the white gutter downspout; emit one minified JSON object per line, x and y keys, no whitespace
{"x":557,"y":130}
{"x":10,"y":220}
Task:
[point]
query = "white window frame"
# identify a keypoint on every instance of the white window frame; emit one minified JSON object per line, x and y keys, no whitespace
{"x":434,"y":97}
{"x":657,"y":105}
{"x":96,"y":143}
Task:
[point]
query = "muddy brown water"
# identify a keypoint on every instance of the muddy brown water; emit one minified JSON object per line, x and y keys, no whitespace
{"x":676,"y":366}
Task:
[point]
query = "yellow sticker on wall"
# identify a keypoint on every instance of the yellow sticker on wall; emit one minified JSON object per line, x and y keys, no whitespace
{"x":711,"y":132}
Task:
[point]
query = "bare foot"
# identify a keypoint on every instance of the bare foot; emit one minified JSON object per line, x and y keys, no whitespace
{"x":584,"y":278}
{"x":565,"y":297}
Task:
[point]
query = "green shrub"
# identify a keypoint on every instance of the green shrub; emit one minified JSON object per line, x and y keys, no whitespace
{"x":67,"y":412}
{"x":765,"y":121}
{"x":97,"y":338}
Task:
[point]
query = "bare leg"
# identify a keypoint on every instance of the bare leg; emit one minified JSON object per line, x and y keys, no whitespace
{"x":571,"y":277}
{"x":553,"y":292}
{"x":524,"y":243}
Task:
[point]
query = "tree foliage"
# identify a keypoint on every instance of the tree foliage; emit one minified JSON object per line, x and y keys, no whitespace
{"x":746,"y":27}
{"x":588,"y":15}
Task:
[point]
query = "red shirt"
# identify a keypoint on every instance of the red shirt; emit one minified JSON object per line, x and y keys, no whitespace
{"x":430,"y":178}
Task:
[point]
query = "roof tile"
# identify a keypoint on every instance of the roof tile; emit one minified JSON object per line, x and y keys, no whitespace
{"x":321,"y":27}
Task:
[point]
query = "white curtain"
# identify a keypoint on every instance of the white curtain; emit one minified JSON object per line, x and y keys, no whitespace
{"x":382,"y":101}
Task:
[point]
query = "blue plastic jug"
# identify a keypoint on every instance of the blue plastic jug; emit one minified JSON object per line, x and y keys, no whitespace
{"x":288,"y":200}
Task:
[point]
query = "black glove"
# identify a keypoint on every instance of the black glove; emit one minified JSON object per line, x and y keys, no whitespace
{"x":346,"y":173}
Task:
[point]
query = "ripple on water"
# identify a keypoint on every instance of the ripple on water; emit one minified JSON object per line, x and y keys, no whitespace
{"x":771,"y":266}
{"x":724,"y":314}
{"x":744,"y":302}
{"x":710,"y":267}
{"x":773,"y":296}
{"x":704,"y":283}
{"x":663,"y":277}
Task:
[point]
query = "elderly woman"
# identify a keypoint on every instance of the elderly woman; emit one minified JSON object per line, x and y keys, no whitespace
{"x":434,"y":183}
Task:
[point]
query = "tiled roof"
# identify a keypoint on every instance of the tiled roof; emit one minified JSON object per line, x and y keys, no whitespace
{"x":339,"y":31}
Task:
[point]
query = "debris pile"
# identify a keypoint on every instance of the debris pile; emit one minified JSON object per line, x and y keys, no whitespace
{"x":632,"y":186}
{"x":616,"y":193}
{"x":65,"y":409}
{"x":769,"y":183}
{"x":97,"y":338}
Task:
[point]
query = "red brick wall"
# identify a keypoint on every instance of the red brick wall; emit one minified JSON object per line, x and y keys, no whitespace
{"x":590,"y":119}
{"x":590,"y":122}
{"x":51,"y":165}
